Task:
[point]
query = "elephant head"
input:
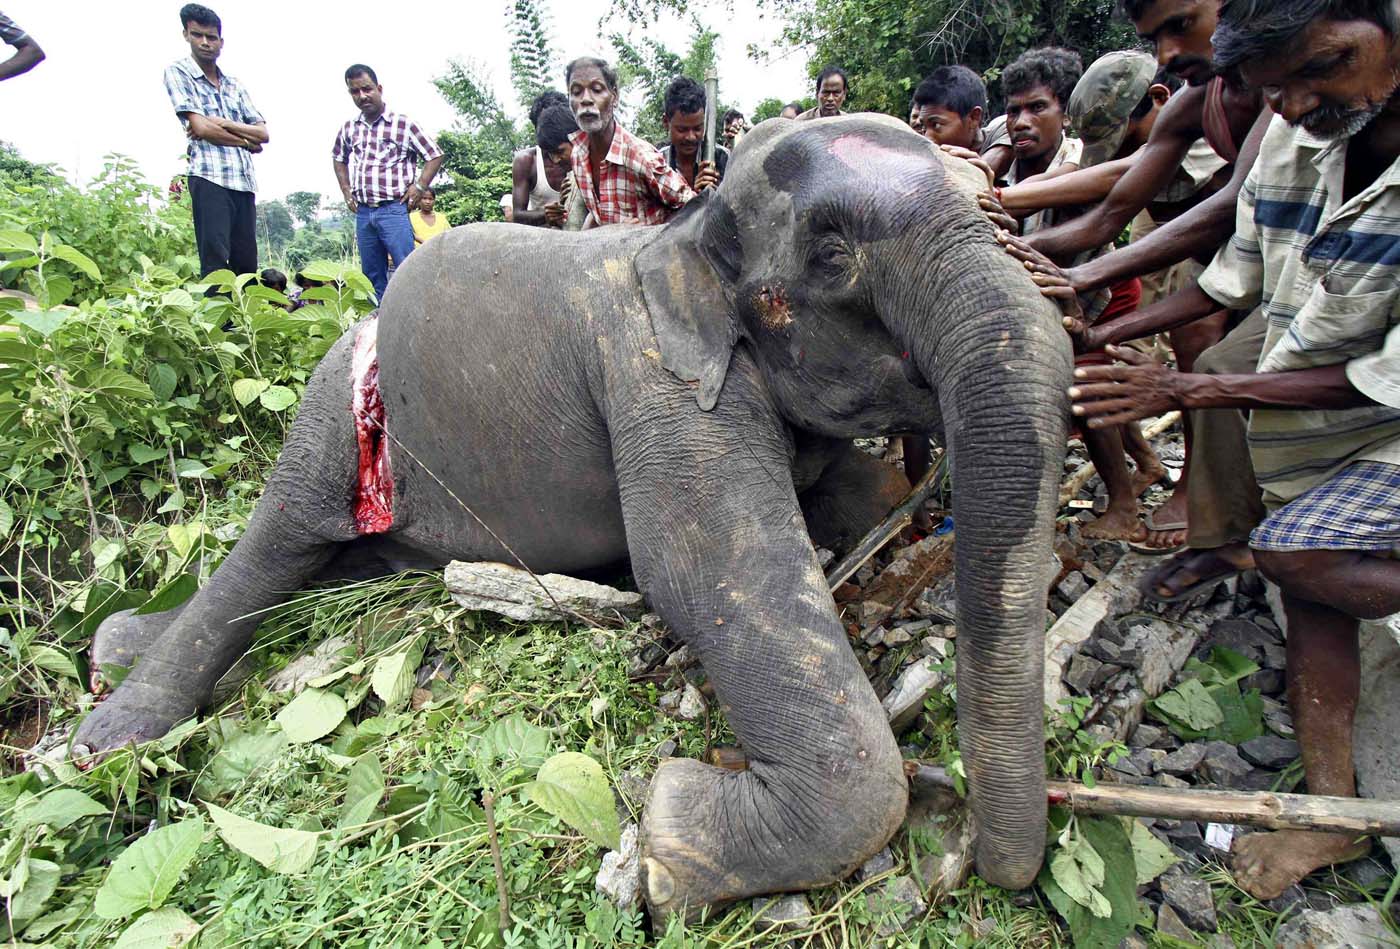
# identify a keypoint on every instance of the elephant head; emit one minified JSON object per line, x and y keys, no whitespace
{"x":852,"y":261}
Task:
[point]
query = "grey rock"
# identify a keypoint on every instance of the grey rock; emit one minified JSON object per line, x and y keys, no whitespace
{"x":934,"y":646}
{"x":1377,"y":733}
{"x":1267,"y":681}
{"x":1356,"y":925}
{"x":897,"y":904}
{"x":633,"y":789}
{"x":1241,"y":635}
{"x":1293,"y":897}
{"x":882,"y":862}
{"x":915,"y":627}
{"x":514,"y":593}
{"x":1171,"y":781}
{"x":897,"y":637}
{"x":620,"y":876}
{"x":667,"y":749}
{"x":692,"y":704}
{"x":1146,"y":736}
{"x":1184,"y":836}
{"x":906,"y":697}
{"x":783,"y":912}
{"x":1184,"y":760}
{"x":1269,"y":751}
{"x":947,"y":870}
{"x":1170,"y":924}
{"x":1082,"y":670}
{"x":1146,"y":759}
{"x":875,"y":636}
{"x":1073,"y":586}
{"x":1157,"y":650}
{"x":1223,"y":765}
{"x":825,"y":557}
{"x":1275,"y":657}
{"x":1189,"y":896}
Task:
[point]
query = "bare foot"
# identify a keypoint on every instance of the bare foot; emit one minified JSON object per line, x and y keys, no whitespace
{"x":1267,"y":864}
{"x":1116,"y":524}
{"x":1170,"y":512}
{"x":1148,"y":475}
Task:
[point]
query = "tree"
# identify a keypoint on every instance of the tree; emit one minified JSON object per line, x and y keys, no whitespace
{"x":16,"y":167}
{"x":648,"y":66}
{"x":886,"y":48}
{"x":304,"y":205}
{"x":532,"y":66}
{"x":477,"y":154}
{"x":275,"y":229}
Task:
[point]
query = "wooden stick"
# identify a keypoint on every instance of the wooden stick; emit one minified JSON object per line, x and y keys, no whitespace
{"x":488,"y":804}
{"x":1348,"y":815}
{"x":882,"y":532}
{"x":1084,"y":472}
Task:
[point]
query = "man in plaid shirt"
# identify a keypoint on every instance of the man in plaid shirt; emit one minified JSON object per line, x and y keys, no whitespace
{"x":376,"y":162}
{"x":624,"y":180}
{"x":224,"y":131}
{"x":27,"y":52}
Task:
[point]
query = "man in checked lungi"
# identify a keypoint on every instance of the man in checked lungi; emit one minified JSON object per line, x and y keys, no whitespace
{"x":1318,"y":247}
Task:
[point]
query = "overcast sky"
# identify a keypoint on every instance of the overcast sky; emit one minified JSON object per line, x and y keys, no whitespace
{"x":100,"y":89}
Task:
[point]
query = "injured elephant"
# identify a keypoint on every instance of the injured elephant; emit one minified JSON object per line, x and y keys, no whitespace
{"x":684,"y":397}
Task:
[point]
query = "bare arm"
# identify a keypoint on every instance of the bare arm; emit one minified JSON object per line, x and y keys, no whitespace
{"x":1186,"y":306}
{"x":1080,"y":186}
{"x":999,"y":158}
{"x":342,"y":175}
{"x":1142,"y":388}
{"x":27,"y":56}
{"x":522,"y":177}
{"x":1154,"y":167}
{"x":213,"y":131}
{"x":256,"y":132}
{"x":1198,"y":232}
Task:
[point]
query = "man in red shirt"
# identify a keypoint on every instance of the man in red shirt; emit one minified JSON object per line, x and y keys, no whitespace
{"x":624,"y":180}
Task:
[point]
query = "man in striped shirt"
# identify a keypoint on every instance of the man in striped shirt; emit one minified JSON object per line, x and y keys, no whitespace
{"x":1317,"y":248}
{"x":377,"y":156}
{"x":624,"y":180}
{"x":224,"y":131}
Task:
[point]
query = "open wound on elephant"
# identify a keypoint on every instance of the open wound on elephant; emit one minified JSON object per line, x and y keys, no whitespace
{"x":374,"y":484}
{"x":771,"y":305}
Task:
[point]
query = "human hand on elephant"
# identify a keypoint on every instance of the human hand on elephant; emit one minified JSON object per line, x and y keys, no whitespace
{"x":1137,"y":387}
{"x":707,"y":176}
{"x":555,"y":214}
{"x":990,"y":203}
{"x":1055,"y":283}
{"x":972,"y":158}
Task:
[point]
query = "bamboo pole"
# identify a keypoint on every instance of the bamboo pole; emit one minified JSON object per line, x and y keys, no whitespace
{"x":1272,"y":811}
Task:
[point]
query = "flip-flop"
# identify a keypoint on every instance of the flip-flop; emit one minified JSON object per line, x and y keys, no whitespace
{"x":1151,"y":525}
{"x":1148,"y":584}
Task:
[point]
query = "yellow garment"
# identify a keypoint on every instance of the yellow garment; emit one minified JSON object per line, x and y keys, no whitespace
{"x":421,"y":230}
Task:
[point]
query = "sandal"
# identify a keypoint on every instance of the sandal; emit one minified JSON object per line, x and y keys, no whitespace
{"x":1151,"y":525}
{"x":1159,"y":577}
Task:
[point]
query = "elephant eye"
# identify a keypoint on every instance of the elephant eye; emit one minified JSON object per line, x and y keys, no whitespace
{"x":830,"y":254}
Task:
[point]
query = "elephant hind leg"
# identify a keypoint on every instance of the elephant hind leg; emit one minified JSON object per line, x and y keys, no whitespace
{"x":855,"y":491}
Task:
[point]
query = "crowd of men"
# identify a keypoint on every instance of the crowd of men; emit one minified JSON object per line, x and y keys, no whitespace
{"x":1253,"y":161}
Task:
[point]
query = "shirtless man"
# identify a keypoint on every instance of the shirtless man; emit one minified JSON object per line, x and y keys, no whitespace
{"x":538,"y":177}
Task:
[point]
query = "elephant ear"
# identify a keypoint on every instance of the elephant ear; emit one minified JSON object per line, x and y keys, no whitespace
{"x":687,"y":299}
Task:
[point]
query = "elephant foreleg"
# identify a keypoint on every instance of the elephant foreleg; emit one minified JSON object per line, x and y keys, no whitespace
{"x":721,"y":551}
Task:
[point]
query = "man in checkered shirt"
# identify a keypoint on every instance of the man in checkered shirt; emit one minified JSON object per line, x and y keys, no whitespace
{"x":377,"y":154}
{"x":624,"y":180}
{"x":224,"y":131}
{"x":27,"y":52}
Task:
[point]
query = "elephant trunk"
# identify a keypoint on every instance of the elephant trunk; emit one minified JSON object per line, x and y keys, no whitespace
{"x":1001,"y":363}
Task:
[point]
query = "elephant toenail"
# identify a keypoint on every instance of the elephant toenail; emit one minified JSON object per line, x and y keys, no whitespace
{"x":661,"y":886}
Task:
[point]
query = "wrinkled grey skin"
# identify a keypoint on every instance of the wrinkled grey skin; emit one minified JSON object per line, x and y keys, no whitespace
{"x":664,"y":395}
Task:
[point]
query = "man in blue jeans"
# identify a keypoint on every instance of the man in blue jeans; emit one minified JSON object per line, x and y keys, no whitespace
{"x":377,"y":156}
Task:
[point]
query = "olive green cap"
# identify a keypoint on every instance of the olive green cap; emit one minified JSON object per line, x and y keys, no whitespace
{"x":1103,"y":100}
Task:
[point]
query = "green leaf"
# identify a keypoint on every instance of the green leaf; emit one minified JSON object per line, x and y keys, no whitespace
{"x":1078,"y":869}
{"x":54,"y":290}
{"x":161,"y":929}
{"x":571,"y":786}
{"x":393,"y":678}
{"x":142,"y":454}
{"x":11,"y":240}
{"x":277,"y":398}
{"x":278,"y":849}
{"x":512,"y":743}
{"x":52,"y":659}
{"x":78,"y":259}
{"x":145,"y":873}
{"x":1188,"y":705}
{"x":1108,"y":839}
{"x":311,"y":715}
{"x":246,"y":390}
{"x":41,"y":884}
{"x":178,"y":590}
{"x":364,"y":786}
{"x":1243,"y":715}
{"x":177,"y":299}
{"x":118,"y":384}
{"x":1150,"y":855}
{"x":240,"y":754}
{"x":43,"y":322}
{"x":7,"y":518}
{"x":162,"y":380}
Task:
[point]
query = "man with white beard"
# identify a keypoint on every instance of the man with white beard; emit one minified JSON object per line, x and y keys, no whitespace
{"x":624,"y":180}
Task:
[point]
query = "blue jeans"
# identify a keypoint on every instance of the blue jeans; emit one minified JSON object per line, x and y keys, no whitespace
{"x":382,"y":232}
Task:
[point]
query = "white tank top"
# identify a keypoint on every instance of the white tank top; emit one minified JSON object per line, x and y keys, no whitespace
{"x":542,"y":193}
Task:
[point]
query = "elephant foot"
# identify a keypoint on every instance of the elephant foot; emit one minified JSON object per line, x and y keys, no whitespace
{"x":712,"y":836}
{"x":135,"y":713}
{"x":121,"y":639}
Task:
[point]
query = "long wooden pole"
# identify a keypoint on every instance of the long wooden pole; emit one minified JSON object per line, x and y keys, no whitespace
{"x":1347,"y":815}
